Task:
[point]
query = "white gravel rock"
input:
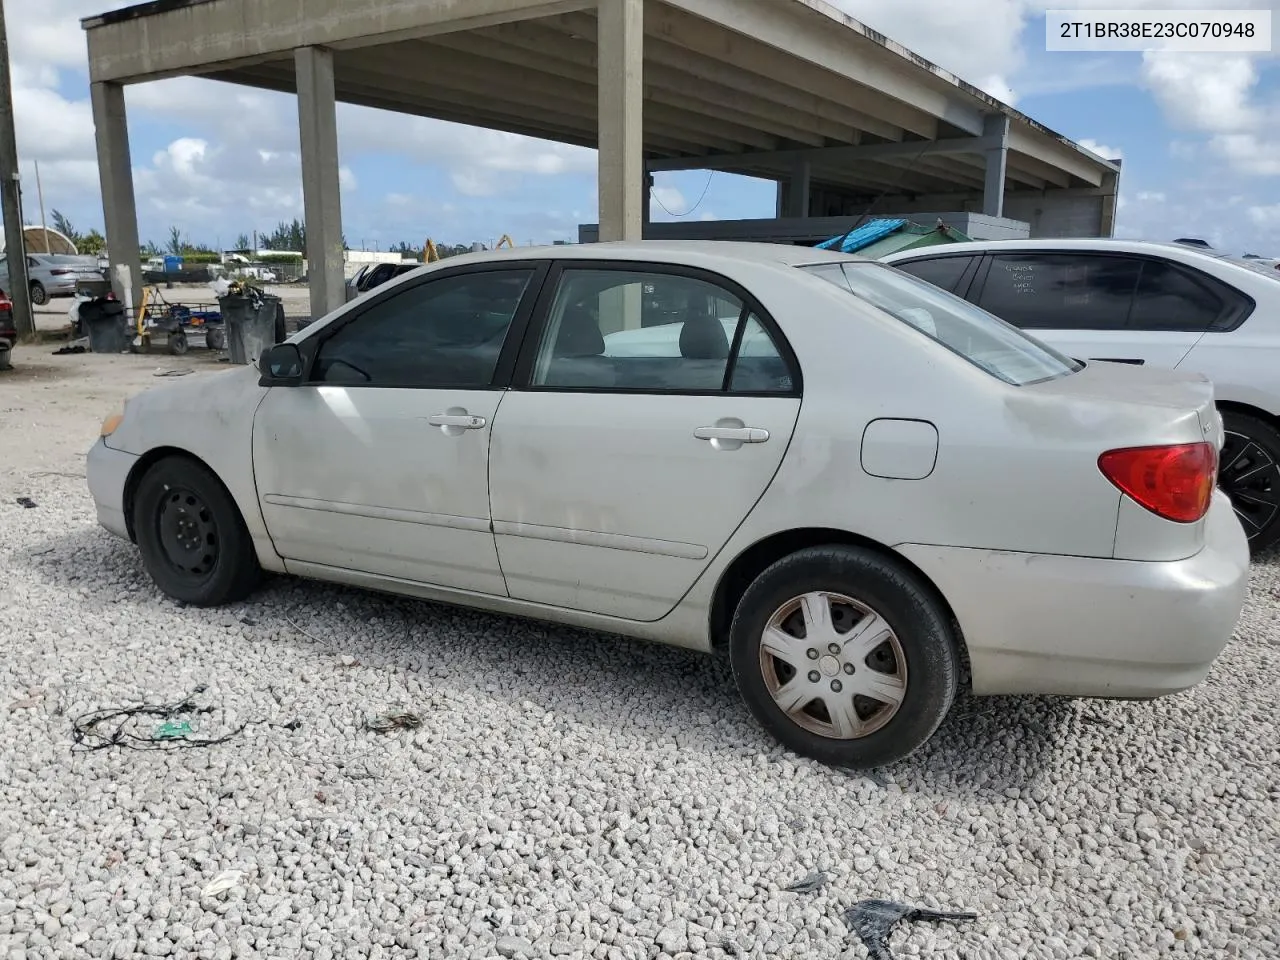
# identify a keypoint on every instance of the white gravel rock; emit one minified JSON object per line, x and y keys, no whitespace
{"x":567,"y":795}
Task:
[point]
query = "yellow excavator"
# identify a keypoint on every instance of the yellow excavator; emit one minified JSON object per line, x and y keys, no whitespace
{"x":430,"y":254}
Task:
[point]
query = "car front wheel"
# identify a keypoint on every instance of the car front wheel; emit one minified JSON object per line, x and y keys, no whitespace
{"x":844,"y":656}
{"x":193,"y":540}
{"x":1249,"y":473}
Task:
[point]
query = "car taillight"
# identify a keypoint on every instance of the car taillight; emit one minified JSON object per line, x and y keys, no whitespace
{"x":1175,"y":482}
{"x":60,"y":272}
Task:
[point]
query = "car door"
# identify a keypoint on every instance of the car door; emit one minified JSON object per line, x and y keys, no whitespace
{"x":1097,"y":306}
{"x":650,"y":410}
{"x":379,"y":462}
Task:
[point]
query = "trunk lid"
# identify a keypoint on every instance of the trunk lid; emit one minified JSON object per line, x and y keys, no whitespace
{"x":1115,"y":406}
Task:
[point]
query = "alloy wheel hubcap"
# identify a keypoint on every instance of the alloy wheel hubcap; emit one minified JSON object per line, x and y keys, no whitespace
{"x":833,"y":665}
{"x":188,"y":534}
{"x":1250,"y":477}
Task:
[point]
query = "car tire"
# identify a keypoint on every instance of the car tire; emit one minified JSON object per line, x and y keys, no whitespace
{"x":1249,"y":473}
{"x":193,"y":540}
{"x":39,"y":295}
{"x":177,"y":343}
{"x":916,"y":664}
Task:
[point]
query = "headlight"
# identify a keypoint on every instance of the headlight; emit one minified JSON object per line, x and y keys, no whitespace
{"x":111,"y":424}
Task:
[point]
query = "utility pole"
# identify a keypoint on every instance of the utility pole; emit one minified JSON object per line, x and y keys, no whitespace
{"x":11,"y":198}
{"x":44,"y":226}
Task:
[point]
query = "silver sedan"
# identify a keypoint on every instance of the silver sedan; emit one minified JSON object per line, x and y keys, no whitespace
{"x":846,"y":480}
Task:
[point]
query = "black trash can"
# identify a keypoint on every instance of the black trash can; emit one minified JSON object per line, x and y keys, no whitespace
{"x":252,"y":325}
{"x":106,"y":325}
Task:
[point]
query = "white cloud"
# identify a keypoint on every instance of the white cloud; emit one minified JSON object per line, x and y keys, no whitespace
{"x":1266,"y":216}
{"x":667,"y":203}
{"x":1102,"y":150}
{"x":1147,"y":196}
{"x":1207,"y":92}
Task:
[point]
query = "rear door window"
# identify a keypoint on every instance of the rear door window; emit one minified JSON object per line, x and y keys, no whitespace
{"x":1061,"y":291}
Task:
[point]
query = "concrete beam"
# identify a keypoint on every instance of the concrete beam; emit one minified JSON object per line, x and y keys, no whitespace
{"x":321,"y":191}
{"x":907,"y":150}
{"x":569,"y":76}
{"x":115,"y":173}
{"x":1060,"y":155}
{"x":129,"y":49}
{"x":1020,"y":163}
{"x":620,"y":41}
{"x":795,"y":35}
{"x":536,"y":96}
{"x":996,"y":127}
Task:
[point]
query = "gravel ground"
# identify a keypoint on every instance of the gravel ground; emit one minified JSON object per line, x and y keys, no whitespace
{"x":566,"y":794}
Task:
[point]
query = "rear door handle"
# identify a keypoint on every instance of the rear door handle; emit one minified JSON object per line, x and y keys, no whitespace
{"x":465,"y":421}
{"x":740,"y":434}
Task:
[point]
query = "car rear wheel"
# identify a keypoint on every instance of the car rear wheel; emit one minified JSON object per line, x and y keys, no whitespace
{"x":39,"y":295}
{"x":193,"y":540}
{"x":1249,"y":473}
{"x":844,"y":656}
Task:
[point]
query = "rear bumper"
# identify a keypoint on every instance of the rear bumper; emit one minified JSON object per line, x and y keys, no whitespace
{"x":1076,"y":626}
{"x":108,"y":471}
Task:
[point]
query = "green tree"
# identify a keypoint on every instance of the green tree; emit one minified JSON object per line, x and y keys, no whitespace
{"x":242,"y":242}
{"x":65,"y":227}
{"x":177,"y":243}
{"x":149,"y":249}
{"x":91,"y":244}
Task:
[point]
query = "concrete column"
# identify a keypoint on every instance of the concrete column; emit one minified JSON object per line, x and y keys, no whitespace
{"x":620,"y":55}
{"x":798,"y":190}
{"x":996,"y":126}
{"x":115,"y":173}
{"x":321,"y":197}
{"x":780,"y":201}
{"x":1110,"y":198}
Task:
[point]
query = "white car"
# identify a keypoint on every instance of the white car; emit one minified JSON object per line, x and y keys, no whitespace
{"x":888,"y":483}
{"x":1171,"y":305}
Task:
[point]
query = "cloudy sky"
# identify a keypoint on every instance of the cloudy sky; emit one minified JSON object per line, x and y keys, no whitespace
{"x":1197,"y":133}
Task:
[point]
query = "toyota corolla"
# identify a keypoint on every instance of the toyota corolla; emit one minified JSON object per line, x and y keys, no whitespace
{"x":851,"y":482}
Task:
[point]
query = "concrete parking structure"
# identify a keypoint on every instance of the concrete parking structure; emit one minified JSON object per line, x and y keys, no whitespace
{"x":791,"y":90}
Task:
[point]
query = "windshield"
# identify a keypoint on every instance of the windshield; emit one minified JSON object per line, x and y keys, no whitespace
{"x":1002,"y":350}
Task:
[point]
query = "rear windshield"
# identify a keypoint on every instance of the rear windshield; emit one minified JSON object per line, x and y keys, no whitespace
{"x":997,"y":347}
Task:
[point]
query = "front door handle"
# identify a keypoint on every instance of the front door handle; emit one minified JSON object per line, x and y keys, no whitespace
{"x":465,"y":421}
{"x":739,"y":434}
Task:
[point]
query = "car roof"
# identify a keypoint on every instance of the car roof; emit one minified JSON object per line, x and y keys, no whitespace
{"x":1098,"y":244}
{"x":670,"y":251}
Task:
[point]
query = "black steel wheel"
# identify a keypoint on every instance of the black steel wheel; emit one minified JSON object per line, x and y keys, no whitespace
{"x":1249,"y":473}
{"x":192,"y":537}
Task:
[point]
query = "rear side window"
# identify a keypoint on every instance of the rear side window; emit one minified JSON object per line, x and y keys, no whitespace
{"x":1061,"y":291}
{"x":985,"y":341}
{"x":944,"y":272}
{"x":1173,"y":298}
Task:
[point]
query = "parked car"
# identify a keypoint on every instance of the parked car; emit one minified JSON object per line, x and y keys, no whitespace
{"x":1153,"y":304}
{"x":8,"y":330}
{"x":54,"y":274}
{"x":375,"y":275}
{"x":889,"y":482}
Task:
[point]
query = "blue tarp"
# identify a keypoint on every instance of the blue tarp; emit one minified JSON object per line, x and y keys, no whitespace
{"x":864,"y":236}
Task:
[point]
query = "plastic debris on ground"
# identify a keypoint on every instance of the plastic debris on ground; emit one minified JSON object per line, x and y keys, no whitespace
{"x":874,"y":920}
{"x":394,"y":720}
{"x":813,"y":883}
{"x":224,"y":882}
{"x":119,"y":726}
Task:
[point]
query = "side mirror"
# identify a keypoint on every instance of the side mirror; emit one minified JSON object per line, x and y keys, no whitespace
{"x":280,"y":366}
